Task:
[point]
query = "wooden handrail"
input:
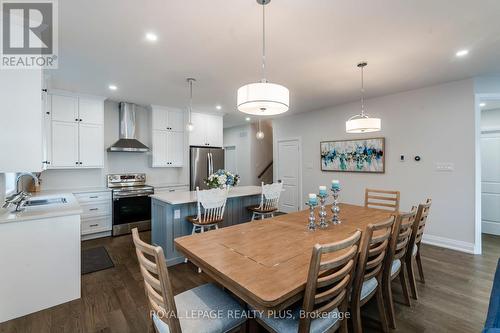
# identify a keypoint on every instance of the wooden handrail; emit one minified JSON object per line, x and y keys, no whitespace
{"x":265,"y":169}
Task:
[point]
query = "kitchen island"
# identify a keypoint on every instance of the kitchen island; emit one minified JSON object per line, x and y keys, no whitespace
{"x":169,"y":212}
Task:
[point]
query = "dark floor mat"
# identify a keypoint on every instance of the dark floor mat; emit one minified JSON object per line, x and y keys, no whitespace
{"x":95,"y":259}
{"x":279,"y":213}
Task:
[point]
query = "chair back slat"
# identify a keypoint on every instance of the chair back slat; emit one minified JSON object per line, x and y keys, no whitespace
{"x":372,"y":253}
{"x":329,"y":279}
{"x":270,"y":195}
{"x":421,"y":219}
{"x":382,"y":199}
{"x":211,"y":205}
{"x":156,"y":282}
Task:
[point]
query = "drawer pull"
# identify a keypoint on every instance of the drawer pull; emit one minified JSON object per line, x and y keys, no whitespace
{"x":94,"y":197}
{"x":94,"y":209}
{"x":94,"y":225}
{"x":171,"y":190}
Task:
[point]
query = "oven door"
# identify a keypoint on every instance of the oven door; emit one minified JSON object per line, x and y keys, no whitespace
{"x":130,"y":212}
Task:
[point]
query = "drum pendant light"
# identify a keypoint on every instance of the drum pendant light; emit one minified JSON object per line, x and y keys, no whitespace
{"x":263,"y":98}
{"x":362,"y":123}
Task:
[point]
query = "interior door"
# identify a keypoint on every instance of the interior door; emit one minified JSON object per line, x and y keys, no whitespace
{"x":490,"y":183}
{"x":288,"y":172}
{"x":91,"y":146}
{"x":64,"y":144}
{"x":230,"y":159}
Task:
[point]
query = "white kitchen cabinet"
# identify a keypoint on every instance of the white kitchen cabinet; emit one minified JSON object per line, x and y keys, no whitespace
{"x":168,"y":149}
{"x":168,"y":137}
{"x":21,"y":121}
{"x":64,"y":108}
{"x":91,"y":146}
{"x":170,"y":119}
{"x":64,"y":144}
{"x":74,"y":131}
{"x":208,"y":130}
{"x":96,"y":214}
{"x":90,"y":110}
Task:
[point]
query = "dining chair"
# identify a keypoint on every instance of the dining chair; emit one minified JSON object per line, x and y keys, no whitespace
{"x":382,"y":199}
{"x":415,"y":245}
{"x":395,"y":263}
{"x":210,"y":206}
{"x":269,"y":199}
{"x":171,"y":314}
{"x":327,"y":290}
{"x":368,"y":279}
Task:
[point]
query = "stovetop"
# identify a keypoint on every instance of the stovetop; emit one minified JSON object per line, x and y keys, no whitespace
{"x":128,"y":182}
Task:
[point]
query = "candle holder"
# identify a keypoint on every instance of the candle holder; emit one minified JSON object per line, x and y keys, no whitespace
{"x":322,"y":211}
{"x":335,"y":206}
{"x":312,"y":219}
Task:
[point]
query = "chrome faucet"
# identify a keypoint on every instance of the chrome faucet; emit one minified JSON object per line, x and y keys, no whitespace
{"x":20,"y":197}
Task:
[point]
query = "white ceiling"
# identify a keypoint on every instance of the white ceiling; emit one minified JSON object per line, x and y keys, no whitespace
{"x":313,"y":48}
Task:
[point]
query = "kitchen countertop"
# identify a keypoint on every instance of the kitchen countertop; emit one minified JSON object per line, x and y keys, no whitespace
{"x":72,"y":190}
{"x":177,"y":198}
{"x":162,"y":185}
{"x":71,"y":207}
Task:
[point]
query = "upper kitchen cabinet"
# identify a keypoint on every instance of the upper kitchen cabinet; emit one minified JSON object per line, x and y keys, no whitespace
{"x":167,"y":119}
{"x":168,"y":137}
{"x":208,"y":130}
{"x":74,"y":134}
{"x":22,"y":120}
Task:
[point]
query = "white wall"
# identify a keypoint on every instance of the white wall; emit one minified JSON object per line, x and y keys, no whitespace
{"x":436,"y":123}
{"x":119,"y":162}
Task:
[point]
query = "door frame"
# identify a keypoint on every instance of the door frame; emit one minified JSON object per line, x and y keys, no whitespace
{"x":477,"y":182}
{"x":276,"y":175}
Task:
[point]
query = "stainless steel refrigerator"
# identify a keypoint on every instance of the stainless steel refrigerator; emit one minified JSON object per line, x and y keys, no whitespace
{"x":204,"y":162}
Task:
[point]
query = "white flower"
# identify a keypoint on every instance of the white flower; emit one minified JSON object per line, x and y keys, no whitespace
{"x":222,"y":179}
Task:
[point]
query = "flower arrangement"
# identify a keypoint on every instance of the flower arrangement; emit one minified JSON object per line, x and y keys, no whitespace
{"x":222,"y":179}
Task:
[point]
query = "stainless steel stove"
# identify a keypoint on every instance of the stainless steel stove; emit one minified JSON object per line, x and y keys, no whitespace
{"x":131,"y":202}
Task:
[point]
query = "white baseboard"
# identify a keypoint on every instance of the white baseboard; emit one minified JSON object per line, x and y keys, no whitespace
{"x":448,"y":243}
{"x":488,"y":227}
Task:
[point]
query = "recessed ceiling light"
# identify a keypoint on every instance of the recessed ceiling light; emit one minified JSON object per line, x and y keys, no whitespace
{"x":218,"y":107}
{"x":462,"y":53}
{"x":482,"y":104}
{"x":247,"y":118}
{"x":151,"y":37}
{"x":112,"y":87}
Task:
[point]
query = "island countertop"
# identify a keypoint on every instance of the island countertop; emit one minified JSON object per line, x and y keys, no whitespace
{"x":178,"y":198}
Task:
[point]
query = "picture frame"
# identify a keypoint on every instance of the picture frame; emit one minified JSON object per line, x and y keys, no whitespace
{"x":353,"y":155}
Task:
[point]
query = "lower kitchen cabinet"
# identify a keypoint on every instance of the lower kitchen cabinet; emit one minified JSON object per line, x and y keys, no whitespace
{"x":96,"y":218}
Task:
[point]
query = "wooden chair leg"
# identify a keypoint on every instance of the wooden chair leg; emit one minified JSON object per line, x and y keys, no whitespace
{"x":356,"y":319}
{"x":403,"y":279}
{"x":343,"y":311}
{"x":419,"y":265}
{"x":389,"y":303}
{"x":411,"y":279}
{"x":381,"y":310}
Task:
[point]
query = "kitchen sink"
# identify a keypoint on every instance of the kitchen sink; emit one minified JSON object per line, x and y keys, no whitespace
{"x":43,"y":202}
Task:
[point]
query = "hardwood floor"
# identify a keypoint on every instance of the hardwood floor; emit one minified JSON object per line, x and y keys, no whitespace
{"x":454,"y":299}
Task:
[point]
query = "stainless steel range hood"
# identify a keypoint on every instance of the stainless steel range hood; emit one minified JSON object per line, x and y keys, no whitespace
{"x":127,"y":141}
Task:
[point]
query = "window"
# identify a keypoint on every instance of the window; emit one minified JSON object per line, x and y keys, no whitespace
{"x":10,"y":183}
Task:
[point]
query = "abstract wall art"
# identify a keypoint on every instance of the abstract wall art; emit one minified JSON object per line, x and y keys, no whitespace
{"x":363,"y":155}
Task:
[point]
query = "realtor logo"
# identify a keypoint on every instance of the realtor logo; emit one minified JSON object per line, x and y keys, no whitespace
{"x":29,"y":34}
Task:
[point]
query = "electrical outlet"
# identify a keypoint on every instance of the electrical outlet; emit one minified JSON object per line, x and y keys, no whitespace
{"x":177,"y":214}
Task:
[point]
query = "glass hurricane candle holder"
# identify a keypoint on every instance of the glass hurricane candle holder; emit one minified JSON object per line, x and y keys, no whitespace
{"x":312,"y":219}
{"x":335,"y":205}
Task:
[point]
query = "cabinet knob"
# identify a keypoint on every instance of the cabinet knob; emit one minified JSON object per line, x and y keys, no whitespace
{"x":76,"y":119}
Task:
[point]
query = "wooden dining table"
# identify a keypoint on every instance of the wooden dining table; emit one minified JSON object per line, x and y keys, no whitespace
{"x":265,"y":262}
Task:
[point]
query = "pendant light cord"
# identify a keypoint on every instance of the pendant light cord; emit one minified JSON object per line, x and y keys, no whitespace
{"x":362,"y":93}
{"x":190,"y":98}
{"x":264,"y":43}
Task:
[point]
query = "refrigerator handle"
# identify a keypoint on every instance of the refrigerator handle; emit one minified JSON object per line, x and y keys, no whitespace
{"x":209,"y":164}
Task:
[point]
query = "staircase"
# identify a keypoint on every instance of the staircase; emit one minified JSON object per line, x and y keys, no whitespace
{"x":266,"y":175}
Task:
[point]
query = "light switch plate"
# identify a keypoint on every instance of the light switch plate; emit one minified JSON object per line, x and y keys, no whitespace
{"x":177,"y":214}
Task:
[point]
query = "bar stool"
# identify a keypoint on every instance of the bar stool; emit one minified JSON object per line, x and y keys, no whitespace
{"x":269,"y":199}
{"x":210,"y":205}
